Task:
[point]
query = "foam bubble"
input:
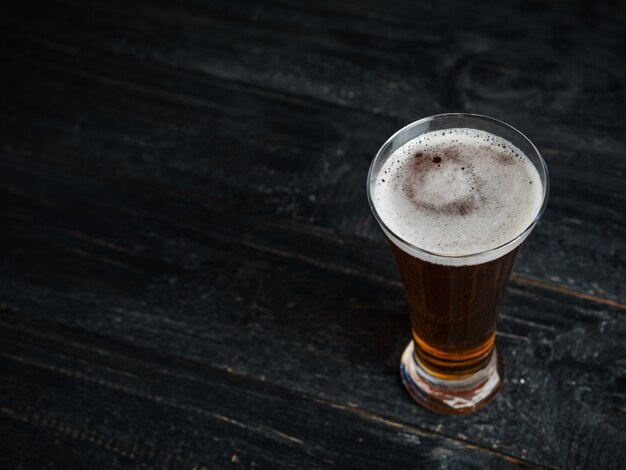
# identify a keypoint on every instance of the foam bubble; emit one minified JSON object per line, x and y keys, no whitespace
{"x":457,"y":192}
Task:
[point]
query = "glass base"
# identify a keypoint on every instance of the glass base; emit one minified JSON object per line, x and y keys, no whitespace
{"x":451,"y":396}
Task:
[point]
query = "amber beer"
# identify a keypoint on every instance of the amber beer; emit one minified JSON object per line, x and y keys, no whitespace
{"x":453,"y":312}
{"x":456,"y":195}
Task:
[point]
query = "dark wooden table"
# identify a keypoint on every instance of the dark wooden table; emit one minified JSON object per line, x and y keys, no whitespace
{"x":191,"y":276}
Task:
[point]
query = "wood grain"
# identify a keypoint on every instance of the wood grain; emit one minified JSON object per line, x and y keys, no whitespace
{"x":214,"y":417}
{"x":190,"y":274}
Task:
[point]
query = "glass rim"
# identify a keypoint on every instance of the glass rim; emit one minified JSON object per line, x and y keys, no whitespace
{"x":470,"y":256}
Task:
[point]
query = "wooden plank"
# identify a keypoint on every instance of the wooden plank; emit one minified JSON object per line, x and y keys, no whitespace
{"x":148,"y":408}
{"x":300,"y":158}
{"x":60,"y":446}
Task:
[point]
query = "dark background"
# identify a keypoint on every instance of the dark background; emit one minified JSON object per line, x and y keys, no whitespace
{"x":191,"y":277}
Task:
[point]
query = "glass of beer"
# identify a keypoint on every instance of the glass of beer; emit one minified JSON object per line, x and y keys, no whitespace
{"x":456,"y":195}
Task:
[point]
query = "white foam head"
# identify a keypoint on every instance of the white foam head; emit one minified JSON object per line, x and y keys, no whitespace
{"x":457,"y":192}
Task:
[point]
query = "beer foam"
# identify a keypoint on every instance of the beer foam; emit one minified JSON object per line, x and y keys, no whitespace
{"x":457,"y":192}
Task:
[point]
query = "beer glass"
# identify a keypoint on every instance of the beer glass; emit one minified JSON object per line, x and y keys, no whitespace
{"x":452,"y":364}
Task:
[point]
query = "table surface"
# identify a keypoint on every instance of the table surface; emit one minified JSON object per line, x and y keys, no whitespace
{"x":190,"y":273}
